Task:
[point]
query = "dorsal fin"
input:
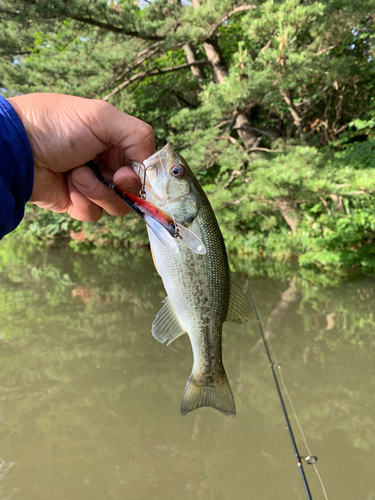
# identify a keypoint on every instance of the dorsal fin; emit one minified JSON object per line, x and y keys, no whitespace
{"x":239,"y":309}
{"x":166,"y":324}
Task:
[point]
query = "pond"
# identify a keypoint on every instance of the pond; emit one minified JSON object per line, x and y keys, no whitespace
{"x":89,"y":401}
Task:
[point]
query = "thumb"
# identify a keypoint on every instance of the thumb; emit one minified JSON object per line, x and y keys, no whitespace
{"x":89,"y":196}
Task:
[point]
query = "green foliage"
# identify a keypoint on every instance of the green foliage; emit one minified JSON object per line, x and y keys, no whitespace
{"x":301,"y":75}
{"x":331,"y":198}
{"x":48,"y":227}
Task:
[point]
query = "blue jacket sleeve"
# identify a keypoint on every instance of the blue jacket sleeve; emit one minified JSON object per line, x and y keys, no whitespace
{"x":16,"y":168}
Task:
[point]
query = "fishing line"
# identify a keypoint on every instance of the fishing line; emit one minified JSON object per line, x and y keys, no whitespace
{"x":143,"y":191}
{"x":166,"y":195}
{"x":297,"y":421}
{"x":310,"y":459}
{"x":302,"y":433}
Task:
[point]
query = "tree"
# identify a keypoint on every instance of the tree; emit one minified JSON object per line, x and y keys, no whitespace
{"x":270,"y":102}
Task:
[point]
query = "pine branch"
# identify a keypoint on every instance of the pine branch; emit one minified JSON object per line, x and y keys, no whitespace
{"x":140,"y":58}
{"x":231,"y":13}
{"x":266,"y":150}
{"x":328,"y":210}
{"x":93,"y":22}
{"x":117,"y":29}
{"x":234,"y":174}
{"x":327,"y":49}
{"x":235,"y":202}
{"x":152,"y":72}
{"x":287,"y":95}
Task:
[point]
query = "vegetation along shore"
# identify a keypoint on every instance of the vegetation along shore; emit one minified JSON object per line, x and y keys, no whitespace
{"x":272,"y":104}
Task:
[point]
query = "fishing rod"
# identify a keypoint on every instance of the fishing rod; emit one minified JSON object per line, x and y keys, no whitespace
{"x":309,"y":459}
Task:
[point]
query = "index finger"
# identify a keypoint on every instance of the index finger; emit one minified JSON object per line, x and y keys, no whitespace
{"x":116,"y":128}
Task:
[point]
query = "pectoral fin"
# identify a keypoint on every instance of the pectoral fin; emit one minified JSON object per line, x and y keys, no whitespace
{"x":166,"y":325}
{"x":239,"y":309}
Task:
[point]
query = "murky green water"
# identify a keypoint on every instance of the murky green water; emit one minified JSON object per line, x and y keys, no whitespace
{"x":89,"y":401}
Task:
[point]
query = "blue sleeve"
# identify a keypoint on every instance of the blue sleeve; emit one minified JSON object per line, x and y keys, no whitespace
{"x":16,"y":168}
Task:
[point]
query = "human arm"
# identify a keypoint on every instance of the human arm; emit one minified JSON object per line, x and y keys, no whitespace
{"x":65,"y":132}
{"x":16,"y":167}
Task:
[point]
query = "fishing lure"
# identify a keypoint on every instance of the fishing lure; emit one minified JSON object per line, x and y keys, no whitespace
{"x":162,"y":225}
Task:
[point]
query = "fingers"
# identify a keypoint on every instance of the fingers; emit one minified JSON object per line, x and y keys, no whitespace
{"x":81,"y":208}
{"x":89,"y":196}
{"x":66,"y":131}
{"x":114,"y":127}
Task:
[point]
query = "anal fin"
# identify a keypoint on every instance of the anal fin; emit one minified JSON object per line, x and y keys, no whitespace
{"x":166,"y":324}
{"x":239,"y":309}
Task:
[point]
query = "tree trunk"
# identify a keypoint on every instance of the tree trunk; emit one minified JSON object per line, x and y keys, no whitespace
{"x":247,"y":134}
{"x":191,"y":58}
{"x":296,"y":118}
{"x":242,"y":125}
{"x":288,"y":212}
{"x":215,"y":56}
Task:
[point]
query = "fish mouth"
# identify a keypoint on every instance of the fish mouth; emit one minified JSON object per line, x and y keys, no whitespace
{"x":142,"y":169}
{"x":151,"y":166}
{"x":153,"y":160}
{"x":153,"y":214}
{"x":156,"y":211}
{"x":141,"y":206}
{"x":151,"y":163}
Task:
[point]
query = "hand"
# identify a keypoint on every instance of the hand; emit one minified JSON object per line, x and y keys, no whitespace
{"x":65,"y":132}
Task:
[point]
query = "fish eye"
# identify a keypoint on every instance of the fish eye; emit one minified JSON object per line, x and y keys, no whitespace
{"x":177,"y":171}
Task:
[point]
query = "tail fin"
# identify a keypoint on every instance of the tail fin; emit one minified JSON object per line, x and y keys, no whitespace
{"x":216,"y":394}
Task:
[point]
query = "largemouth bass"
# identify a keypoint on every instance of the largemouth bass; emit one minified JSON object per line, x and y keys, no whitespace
{"x":201,"y":293}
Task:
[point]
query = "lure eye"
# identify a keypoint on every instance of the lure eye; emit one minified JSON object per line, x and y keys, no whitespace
{"x":178,"y":171}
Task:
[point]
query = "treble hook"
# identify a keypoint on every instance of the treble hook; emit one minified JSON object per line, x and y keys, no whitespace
{"x":142,"y":192}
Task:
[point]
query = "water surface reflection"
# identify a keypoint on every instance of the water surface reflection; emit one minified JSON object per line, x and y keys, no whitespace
{"x":90,"y":401}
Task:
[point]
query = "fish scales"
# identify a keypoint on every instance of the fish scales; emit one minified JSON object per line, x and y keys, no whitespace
{"x":201,"y":313}
{"x":199,"y":288}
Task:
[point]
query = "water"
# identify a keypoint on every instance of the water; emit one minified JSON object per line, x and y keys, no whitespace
{"x":89,"y":401}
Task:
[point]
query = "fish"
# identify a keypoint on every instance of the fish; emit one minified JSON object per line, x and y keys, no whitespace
{"x":201,"y":293}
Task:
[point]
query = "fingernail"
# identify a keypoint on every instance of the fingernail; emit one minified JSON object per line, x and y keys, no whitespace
{"x":85,"y":178}
{"x":127,"y":182}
